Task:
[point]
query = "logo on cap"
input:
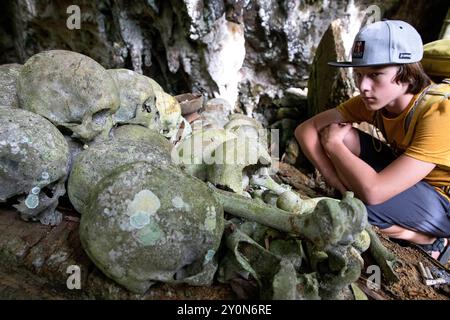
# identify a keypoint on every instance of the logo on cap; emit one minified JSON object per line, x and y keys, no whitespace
{"x":358,"y":49}
{"x":404,"y":55}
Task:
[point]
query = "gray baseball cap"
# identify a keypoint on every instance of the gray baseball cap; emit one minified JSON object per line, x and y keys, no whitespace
{"x":383,"y":43}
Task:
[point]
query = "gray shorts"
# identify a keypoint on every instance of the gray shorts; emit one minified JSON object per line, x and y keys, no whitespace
{"x":420,"y":208}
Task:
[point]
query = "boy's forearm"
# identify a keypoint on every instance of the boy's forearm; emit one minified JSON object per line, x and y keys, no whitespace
{"x":310,"y":144}
{"x":360,"y":176}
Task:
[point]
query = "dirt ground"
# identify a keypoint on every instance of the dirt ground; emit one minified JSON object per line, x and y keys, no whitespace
{"x":20,"y":277}
{"x":410,"y":285}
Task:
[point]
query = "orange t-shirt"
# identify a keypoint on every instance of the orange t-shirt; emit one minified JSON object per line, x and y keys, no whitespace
{"x":431,"y":140}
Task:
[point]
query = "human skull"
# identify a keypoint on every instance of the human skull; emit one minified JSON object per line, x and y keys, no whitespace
{"x":244,"y":126}
{"x":144,"y":102}
{"x":214,"y":116}
{"x":134,"y":89}
{"x":192,"y":153}
{"x":148,"y":223}
{"x":8,"y":77}
{"x":232,"y":158}
{"x":69,"y":89}
{"x":34,"y":160}
{"x":129,"y":143}
{"x":165,"y":110}
{"x":140,"y":133}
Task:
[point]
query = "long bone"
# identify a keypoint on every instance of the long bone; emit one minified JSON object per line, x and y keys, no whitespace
{"x":332,"y":222}
{"x":288,"y":200}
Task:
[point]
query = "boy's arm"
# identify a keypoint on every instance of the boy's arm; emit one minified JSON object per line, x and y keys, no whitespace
{"x":370,"y":186}
{"x":307,"y":135}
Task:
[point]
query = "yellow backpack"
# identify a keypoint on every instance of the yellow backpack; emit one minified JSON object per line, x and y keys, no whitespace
{"x":436,"y":58}
{"x":435,"y":62}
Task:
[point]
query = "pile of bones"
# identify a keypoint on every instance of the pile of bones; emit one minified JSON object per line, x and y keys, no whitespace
{"x":163,"y":199}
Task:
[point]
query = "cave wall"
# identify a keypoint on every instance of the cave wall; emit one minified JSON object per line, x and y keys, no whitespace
{"x":240,"y":50}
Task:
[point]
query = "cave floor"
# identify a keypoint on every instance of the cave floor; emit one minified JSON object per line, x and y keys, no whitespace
{"x":34,"y":260}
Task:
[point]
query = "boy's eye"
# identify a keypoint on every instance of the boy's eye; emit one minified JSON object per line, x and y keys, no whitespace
{"x":374,"y":74}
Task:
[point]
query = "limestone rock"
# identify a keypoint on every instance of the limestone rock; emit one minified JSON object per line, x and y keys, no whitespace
{"x":329,"y":86}
{"x":179,"y":43}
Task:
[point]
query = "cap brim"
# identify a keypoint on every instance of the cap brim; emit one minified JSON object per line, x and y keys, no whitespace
{"x":345,"y":64}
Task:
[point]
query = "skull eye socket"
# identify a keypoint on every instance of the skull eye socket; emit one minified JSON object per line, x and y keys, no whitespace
{"x":148,"y":106}
{"x":65,"y":131}
{"x":157,"y":115}
{"x":48,"y":190}
{"x":100,"y":117}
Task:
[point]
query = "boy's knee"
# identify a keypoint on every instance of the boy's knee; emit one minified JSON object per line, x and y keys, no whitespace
{"x":299,"y":132}
{"x":352,"y":142}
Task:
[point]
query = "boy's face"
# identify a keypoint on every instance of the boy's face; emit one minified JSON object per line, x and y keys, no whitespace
{"x":377,"y":86}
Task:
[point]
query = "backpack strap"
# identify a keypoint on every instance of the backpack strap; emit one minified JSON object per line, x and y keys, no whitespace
{"x":418,"y":104}
{"x":432,"y":94}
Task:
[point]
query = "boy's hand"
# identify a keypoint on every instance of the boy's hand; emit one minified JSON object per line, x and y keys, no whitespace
{"x":334,"y":182}
{"x":334,"y":134}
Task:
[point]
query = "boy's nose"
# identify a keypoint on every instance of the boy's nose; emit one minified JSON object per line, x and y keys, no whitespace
{"x":364,"y":84}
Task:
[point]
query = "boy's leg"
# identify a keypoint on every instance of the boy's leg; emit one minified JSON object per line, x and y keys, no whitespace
{"x":362,"y":145}
{"x":419,"y":214}
{"x":397,"y":232}
{"x":352,"y":142}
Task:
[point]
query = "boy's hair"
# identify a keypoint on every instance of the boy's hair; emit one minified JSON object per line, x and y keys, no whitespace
{"x":413,"y":74}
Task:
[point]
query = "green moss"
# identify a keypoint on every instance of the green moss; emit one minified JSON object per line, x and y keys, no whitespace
{"x":150,"y":234}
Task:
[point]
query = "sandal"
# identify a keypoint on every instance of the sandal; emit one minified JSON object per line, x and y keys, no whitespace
{"x":438,"y":246}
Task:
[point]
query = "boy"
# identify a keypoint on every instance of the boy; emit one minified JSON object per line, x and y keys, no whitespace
{"x":405,"y":187}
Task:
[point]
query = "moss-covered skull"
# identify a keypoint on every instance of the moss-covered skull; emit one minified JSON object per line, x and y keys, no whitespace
{"x":8,"y":92}
{"x":148,"y":223}
{"x":166,"y":111}
{"x":242,"y":125}
{"x":214,"y":116}
{"x":144,"y":102}
{"x":144,"y":134}
{"x":232,"y":158}
{"x":34,"y":160}
{"x":69,"y":89}
{"x":193,"y":153}
{"x":128,"y":144}
{"x":134,"y":89}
